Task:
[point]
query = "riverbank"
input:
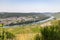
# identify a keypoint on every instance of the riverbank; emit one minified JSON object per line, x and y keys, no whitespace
{"x":33,"y":23}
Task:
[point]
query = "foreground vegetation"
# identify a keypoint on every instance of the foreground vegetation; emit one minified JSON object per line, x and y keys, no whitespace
{"x":32,"y":32}
{"x":50,"y":32}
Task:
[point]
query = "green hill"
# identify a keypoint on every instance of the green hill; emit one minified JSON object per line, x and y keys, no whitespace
{"x":56,"y":15}
{"x":6,"y":14}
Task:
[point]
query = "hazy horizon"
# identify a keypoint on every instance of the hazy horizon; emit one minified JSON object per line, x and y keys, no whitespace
{"x":29,"y":6}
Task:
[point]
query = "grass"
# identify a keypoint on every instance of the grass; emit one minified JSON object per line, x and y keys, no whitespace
{"x":25,"y":29}
{"x":27,"y":32}
{"x":31,"y":32}
{"x":50,"y":32}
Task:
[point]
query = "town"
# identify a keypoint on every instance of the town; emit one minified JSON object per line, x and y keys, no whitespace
{"x":14,"y":20}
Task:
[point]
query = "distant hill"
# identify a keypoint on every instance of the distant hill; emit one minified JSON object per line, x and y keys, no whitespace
{"x":43,"y":15}
{"x":56,"y":15}
{"x":48,"y":13}
{"x":6,"y":14}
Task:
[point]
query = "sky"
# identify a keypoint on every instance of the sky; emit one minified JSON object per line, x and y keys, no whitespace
{"x":29,"y":5}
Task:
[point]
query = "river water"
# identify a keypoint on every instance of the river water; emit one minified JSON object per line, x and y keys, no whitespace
{"x":42,"y":21}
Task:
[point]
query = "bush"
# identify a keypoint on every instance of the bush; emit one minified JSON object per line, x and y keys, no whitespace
{"x":7,"y":36}
{"x":50,"y":33}
{"x":37,"y":37}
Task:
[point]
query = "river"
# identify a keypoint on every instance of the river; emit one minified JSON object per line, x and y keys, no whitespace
{"x":42,"y":21}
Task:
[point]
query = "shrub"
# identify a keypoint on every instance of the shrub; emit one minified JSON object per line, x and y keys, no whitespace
{"x":7,"y":36}
{"x":37,"y":37}
{"x":50,"y":33}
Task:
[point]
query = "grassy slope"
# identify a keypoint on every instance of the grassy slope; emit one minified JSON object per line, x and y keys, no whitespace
{"x":56,"y":15}
{"x":26,"y":32}
{"x":25,"y":29}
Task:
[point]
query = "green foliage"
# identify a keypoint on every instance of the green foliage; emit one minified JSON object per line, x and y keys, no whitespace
{"x":37,"y":37}
{"x":56,"y":22}
{"x":50,"y":32}
{"x":57,"y":15}
{"x":6,"y":14}
{"x":7,"y":36}
{"x":47,"y":33}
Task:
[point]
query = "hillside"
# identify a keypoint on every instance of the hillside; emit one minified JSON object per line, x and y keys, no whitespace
{"x":57,"y":15}
{"x":6,"y":14}
{"x":9,"y":18}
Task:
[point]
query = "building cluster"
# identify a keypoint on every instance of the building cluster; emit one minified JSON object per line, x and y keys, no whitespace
{"x":17,"y":19}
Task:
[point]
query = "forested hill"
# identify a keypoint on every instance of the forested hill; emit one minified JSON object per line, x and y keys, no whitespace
{"x":5,"y":15}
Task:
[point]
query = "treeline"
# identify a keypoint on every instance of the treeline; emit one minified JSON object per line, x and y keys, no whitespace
{"x":6,"y":14}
